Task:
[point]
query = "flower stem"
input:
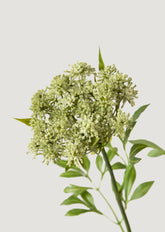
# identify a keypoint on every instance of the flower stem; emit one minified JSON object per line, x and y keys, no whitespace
{"x":114,"y":185}
{"x":118,"y":222}
{"x":102,"y":195}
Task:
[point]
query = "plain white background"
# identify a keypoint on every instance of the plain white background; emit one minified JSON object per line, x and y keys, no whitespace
{"x":38,"y":40}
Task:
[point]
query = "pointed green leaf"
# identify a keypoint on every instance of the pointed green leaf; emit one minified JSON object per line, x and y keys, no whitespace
{"x":111,"y":153}
{"x":61,"y":163}
{"x":76,"y":190}
{"x":118,"y":165}
{"x":24,"y":120}
{"x":87,"y":197}
{"x":99,"y":162}
{"x":135,"y":149}
{"x":101,"y":63}
{"x":71,"y":173}
{"x":119,"y":186}
{"x":132,"y":122}
{"x":72,"y":165}
{"x":156,"y":153}
{"x":141,"y":190}
{"x":129,"y":128}
{"x":129,"y":179}
{"x":72,"y":200}
{"x":134,"y":160}
{"x":76,"y":212}
{"x":120,"y":189}
{"x":139,"y":111}
{"x":89,"y":202}
{"x":86,"y":163}
{"x":146,"y":143}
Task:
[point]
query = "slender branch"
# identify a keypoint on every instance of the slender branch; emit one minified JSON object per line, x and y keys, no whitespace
{"x":118,"y":222}
{"x":126,"y":154}
{"x":118,"y":199}
{"x":102,"y":195}
{"x":122,"y":158}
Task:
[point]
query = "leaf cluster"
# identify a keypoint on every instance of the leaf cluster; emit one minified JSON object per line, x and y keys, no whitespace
{"x":136,"y":148}
{"x":80,"y":194}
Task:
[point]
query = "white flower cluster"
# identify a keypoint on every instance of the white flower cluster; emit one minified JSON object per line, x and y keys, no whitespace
{"x":79,"y":112}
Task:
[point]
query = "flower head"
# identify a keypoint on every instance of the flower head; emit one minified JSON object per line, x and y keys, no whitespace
{"x":79,"y":112}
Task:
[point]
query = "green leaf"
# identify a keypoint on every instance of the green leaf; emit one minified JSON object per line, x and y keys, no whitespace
{"x":24,"y":120}
{"x":129,"y":179}
{"x":86,"y":163}
{"x":147,"y":144}
{"x":129,"y":128}
{"x":76,"y":190}
{"x":76,"y":212}
{"x":61,"y":163}
{"x":139,"y":145}
{"x":118,"y":165}
{"x":136,"y":148}
{"x":132,"y":122}
{"x":141,"y":190}
{"x":111,"y":153}
{"x":89,"y":202}
{"x":120,"y":189}
{"x":71,"y":173}
{"x":139,"y":111}
{"x":99,"y":162}
{"x":101,"y":63}
{"x":134,"y":160}
{"x":156,"y":153}
{"x":87,"y":197}
{"x":72,"y":200}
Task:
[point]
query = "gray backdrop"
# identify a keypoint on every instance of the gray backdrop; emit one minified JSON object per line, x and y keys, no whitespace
{"x":38,"y":40}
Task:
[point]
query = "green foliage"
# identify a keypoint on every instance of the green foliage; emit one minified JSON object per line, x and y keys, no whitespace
{"x":156,"y":153}
{"x":72,"y":200}
{"x":85,"y":163}
{"x":76,"y":212}
{"x":141,"y":190}
{"x":111,"y":153}
{"x":140,"y":144}
{"x":75,"y":189}
{"x":135,"y":149}
{"x":119,"y":187}
{"x":132,"y":122}
{"x":87,"y":197}
{"x":129,"y":179}
{"x":99,"y":162}
{"x":146,"y":143}
{"x":118,"y":165}
{"x":101,"y":63}
{"x":139,"y":111}
{"x":24,"y":120}
{"x":72,"y":173}
{"x":89,"y":202}
{"x":61,"y":163}
{"x":134,"y":160}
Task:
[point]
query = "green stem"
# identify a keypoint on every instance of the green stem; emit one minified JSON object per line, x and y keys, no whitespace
{"x":126,"y":154}
{"x":118,"y":199}
{"x":118,"y":222}
{"x":102,"y":195}
{"x":122,"y":159}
